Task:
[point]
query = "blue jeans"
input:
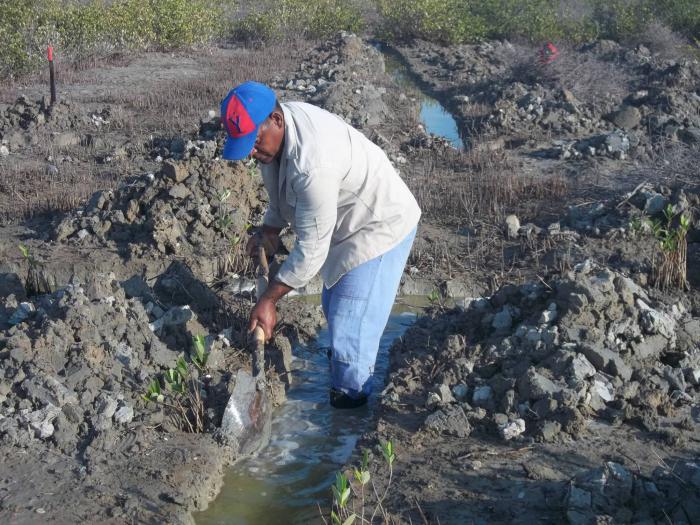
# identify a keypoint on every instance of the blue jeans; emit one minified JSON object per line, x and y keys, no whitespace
{"x":357,"y":309}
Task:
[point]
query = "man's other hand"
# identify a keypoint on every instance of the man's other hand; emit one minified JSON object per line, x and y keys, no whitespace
{"x":269,"y":238}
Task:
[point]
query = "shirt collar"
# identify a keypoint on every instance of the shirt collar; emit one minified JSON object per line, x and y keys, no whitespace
{"x":290,"y":135}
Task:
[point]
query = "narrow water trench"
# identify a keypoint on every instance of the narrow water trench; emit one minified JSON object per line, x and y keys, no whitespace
{"x":310,"y":441}
{"x":433,"y":115}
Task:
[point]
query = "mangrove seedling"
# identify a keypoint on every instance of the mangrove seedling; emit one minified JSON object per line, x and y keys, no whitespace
{"x":201,"y":356}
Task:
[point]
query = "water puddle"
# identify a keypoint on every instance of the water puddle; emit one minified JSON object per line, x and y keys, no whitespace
{"x":310,"y":441}
{"x":433,"y":115}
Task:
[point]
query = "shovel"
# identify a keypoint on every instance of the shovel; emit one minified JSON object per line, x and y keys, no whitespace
{"x":246,"y":420}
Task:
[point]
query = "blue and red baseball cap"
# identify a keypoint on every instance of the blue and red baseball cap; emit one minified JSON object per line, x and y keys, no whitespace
{"x":242,"y":111}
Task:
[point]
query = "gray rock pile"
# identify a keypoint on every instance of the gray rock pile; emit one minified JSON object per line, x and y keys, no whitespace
{"x":76,"y":363}
{"x":339,"y":76}
{"x":544,"y":359}
{"x":614,"y":494}
{"x":198,"y":205}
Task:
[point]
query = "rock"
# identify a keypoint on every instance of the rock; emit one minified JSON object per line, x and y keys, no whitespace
{"x":11,"y":284}
{"x":21,"y":313}
{"x":533,"y":385}
{"x":450,"y":420}
{"x":655,"y":204}
{"x":578,"y":499}
{"x":512,"y":429}
{"x":432,"y":400}
{"x":549,"y":431}
{"x":460,"y":391}
{"x":178,"y":315}
{"x":627,"y":117}
{"x":690,"y":136}
{"x":607,"y":361}
{"x":445,"y":395}
{"x":601,"y":392}
{"x":650,"y":346}
{"x":503,"y":320}
{"x":482,"y":395}
{"x":175,"y":171}
{"x":655,"y":322}
{"x":581,"y":368}
{"x":179,"y":191}
{"x":41,"y":421}
{"x":512,"y":226}
{"x":124,"y":415}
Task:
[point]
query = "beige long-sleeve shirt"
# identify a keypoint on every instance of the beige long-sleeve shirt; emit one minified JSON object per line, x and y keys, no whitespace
{"x":339,"y":193}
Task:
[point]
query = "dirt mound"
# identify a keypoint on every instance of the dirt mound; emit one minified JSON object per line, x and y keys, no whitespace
{"x":543,"y":358}
{"x":200,"y":206}
{"x":340,"y":75}
{"x":614,"y":494}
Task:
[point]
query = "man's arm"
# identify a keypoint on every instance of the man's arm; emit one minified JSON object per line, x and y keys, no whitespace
{"x":315,"y":218}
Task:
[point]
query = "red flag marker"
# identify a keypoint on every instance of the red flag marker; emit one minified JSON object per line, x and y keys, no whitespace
{"x":52,"y":77}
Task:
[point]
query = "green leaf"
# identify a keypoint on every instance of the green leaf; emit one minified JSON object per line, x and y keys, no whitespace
{"x":350,"y":520}
{"x":365,"y":459}
{"x":24,"y":250}
{"x":388,"y":452}
{"x":181,"y":366}
{"x":334,"y":518}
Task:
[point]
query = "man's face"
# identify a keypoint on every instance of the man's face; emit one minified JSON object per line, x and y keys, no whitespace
{"x":268,"y":145}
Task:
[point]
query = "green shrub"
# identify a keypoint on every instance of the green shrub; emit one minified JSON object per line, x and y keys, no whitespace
{"x":445,"y":21}
{"x":621,"y":19}
{"x":681,"y":15}
{"x":319,"y":19}
{"x":457,"y":21}
{"x":79,"y":29}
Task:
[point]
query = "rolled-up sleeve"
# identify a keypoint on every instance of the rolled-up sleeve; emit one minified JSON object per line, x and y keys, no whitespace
{"x":314,"y":222}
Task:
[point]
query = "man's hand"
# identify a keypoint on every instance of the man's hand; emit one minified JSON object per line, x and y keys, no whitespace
{"x":270,"y":239}
{"x":264,"y":315}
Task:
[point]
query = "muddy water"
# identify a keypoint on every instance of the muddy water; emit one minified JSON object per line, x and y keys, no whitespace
{"x":433,"y":115}
{"x":310,"y":441}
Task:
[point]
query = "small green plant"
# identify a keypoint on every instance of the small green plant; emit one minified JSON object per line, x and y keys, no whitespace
{"x":36,"y":282}
{"x":636,"y":226}
{"x":200,"y":357}
{"x":182,"y":396}
{"x":153,"y":392}
{"x":436,"y":300}
{"x":671,"y":263}
{"x":350,"y":491}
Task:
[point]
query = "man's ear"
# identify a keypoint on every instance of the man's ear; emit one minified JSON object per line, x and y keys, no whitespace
{"x":277,"y":117}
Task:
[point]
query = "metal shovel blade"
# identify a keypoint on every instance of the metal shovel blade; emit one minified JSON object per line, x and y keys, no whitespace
{"x":247,"y":418}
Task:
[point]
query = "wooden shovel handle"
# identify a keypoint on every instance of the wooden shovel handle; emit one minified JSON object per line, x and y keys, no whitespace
{"x":259,"y":335}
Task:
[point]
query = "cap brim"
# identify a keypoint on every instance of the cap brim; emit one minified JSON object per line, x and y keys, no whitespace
{"x":240,"y":147}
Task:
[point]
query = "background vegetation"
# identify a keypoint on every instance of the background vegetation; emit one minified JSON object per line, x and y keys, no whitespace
{"x":80,"y":30}
{"x":460,"y":21}
{"x":84,"y":29}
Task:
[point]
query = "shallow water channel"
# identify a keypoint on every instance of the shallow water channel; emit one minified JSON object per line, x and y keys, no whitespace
{"x":433,"y":115}
{"x":310,"y":442}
